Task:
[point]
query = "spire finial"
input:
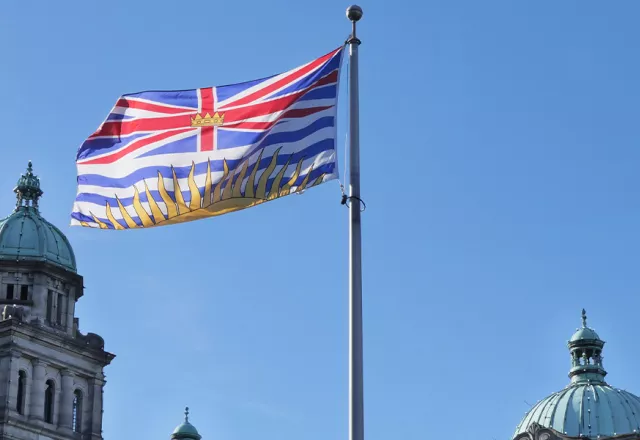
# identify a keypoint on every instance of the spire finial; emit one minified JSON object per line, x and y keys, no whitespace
{"x":584,"y":318}
{"x":186,"y":414}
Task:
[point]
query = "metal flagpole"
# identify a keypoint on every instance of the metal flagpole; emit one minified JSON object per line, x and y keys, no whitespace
{"x":356,"y":395}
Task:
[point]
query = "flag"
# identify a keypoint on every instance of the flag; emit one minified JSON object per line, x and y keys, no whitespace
{"x":166,"y":157}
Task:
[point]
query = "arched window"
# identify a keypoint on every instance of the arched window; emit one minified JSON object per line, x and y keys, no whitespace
{"x":49,"y":394}
{"x":76,"y":421}
{"x":22,"y":389}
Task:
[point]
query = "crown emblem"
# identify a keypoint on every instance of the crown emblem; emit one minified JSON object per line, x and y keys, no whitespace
{"x":208,"y":121}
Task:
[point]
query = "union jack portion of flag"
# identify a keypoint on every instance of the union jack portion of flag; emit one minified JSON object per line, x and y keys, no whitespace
{"x":165,"y":157}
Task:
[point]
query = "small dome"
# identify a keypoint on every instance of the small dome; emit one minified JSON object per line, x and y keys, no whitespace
{"x":584,"y":334}
{"x":588,"y":406}
{"x":186,"y":430}
{"x":26,"y":236}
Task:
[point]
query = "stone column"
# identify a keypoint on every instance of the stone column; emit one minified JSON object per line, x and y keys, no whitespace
{"x":39,"y":296}
{"x":96,"y":384}
{"x":69,"y":312}
{"x":5,"y":376}
{"x":36,"y":409}
{"x":13,"y":379}
{"x":65,"y":412}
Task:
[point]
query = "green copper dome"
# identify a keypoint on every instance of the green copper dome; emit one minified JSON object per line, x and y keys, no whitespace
{"x":185,"y":430}
{"x":588,"y":407}
{"x":26,"y":236}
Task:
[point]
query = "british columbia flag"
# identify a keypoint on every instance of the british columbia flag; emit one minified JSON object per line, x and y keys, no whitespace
{"x":164,"y":157}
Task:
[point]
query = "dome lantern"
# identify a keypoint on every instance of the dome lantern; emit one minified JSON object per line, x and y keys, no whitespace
{"x":185,"y":430}
{"x":585,"y":347}
{"x":27,"y":189}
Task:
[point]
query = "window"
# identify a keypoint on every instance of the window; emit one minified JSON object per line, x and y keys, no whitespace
{"x":49,"y":394}
{"x":76,"y":421}
{"x":24,"y":292}
{"x":59,"y":309}
{"x":50,"y":306}
{"x":9,"y":291}
{"x":22,"y":389}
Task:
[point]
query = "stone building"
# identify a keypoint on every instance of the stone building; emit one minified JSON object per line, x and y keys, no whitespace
{"x":587,"y":408}
{"x":51,"y":374}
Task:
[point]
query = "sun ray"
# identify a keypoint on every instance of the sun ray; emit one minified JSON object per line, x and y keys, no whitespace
{"x":158,"y":216}
{"x":101,"y":224}
{"x":137,"y":206}
{"x":125,"y":215}
{"x":249,"y":188}
{"x":286,"y":189}
{"x":228,"y":188}
{"x":177,"y":194}
{"x":206,"y":201}
{"x":168,"y":201}
{"x":112,"y":219}
{"x":275,"y":186}
{"x":218,"y":189}
{"x":195,"y":201}
{"x":318,"y":180}
{"x":261,"y":190}
{"x":237,"y":188}
{"x":303,"y":185}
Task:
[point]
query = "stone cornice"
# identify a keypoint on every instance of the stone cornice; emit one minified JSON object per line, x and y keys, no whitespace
{"x":39,"y":429}
{"x":57,"y":341}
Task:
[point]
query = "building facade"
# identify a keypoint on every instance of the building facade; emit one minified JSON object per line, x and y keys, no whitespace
{"x":51,"y":374}
{"x":587,"y":408}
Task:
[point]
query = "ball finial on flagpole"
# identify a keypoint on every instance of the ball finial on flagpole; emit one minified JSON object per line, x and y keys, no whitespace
{"x":354,"y":13}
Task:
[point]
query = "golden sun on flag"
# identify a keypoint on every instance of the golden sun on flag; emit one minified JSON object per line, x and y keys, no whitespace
{"x":226,"y":196}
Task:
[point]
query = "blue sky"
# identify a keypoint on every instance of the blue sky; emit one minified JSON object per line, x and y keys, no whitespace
{"x":500,"y":165}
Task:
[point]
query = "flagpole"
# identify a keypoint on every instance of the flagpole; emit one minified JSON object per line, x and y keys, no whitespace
{"x":356,"y":386}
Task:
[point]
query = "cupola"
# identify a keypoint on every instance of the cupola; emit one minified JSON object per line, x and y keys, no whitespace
{"x":185,"y":430}
{"x":26,"y":236}
{"x":587,"y":407}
